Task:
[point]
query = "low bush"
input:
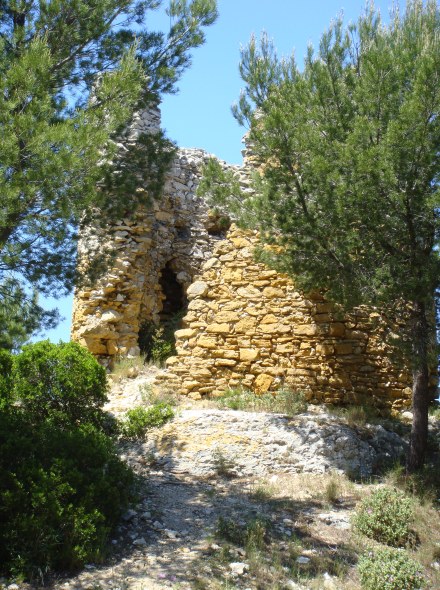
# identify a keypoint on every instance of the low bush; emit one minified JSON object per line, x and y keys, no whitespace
{"x":61,"y":381}
{"x":62,"y":490}
{"x":390,"y":569}
{"x":139,"y":420}
{"x":386,"y":517}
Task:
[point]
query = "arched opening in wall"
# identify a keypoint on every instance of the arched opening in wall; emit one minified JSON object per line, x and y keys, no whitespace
{"x":157,"y":341}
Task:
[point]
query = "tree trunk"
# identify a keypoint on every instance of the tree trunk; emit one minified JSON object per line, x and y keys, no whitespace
{"x":420,"y":390}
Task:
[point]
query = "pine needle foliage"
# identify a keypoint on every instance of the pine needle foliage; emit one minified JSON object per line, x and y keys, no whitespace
{"x":71,"y":74}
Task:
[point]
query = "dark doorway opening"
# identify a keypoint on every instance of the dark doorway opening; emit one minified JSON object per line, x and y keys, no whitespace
{"x":156,"y":341}
{"x":175,"y":299}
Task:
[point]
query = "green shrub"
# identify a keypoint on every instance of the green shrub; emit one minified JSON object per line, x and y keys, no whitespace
{"x":283,"y":401}
{"x":139,"y":420}
{"x":63,"y":381}
{"x":386,"y":517}
{"x":390,"y":569}
{"x":62,"y":491}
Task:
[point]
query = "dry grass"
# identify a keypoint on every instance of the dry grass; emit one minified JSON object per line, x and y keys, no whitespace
{"x":327,"y":487}
{"x":128,"y":366}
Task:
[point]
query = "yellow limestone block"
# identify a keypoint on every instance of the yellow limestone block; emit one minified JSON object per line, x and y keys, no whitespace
{"x":205,"y":342}
{"x":262,"y":383}
{"x":184,"y":334}
{"x":337,"y":329}
{"x":218,"y":328}
{"x":246,"y":325}
{"x":272,"y":292}
{"x":305,"y":329}
{"x":227,"y":316}
{"x":248,"y":354}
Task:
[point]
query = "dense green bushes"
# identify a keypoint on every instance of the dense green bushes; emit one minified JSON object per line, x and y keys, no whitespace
{"x":62,"y":487}
{"x":62,"y":381}
{"x":390,"y":569}
{"x":386,"y":517}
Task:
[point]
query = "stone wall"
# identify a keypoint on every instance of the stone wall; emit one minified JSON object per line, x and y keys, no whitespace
{"x":248,"y":326}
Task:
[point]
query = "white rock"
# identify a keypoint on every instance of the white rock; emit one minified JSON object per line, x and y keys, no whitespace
{"x":110,"y":316}
{"x":238,"y":568}
{"x":140,"y":541}
{"x":197,"y":289}
{"x":302,"y":560}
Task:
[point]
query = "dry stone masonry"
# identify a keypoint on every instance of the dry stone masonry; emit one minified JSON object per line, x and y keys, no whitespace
{"x":248,"y":326}
{"x":245,"y":324}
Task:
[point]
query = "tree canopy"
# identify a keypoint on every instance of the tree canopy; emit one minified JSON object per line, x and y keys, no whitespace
{"x":347,"y":151}
{"x":71,"y":74}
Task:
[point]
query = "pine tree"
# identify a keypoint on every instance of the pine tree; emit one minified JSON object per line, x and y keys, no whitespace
{"x":348,"y":185}
{"x":71,"y":74}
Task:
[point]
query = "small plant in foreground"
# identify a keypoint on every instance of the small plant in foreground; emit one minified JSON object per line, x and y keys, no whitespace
{"x":263,"y":492}
{"x":139,"y":420}
{"x":150,"y":396}
{"x":386,"y":517}
{"x":390,"y":569}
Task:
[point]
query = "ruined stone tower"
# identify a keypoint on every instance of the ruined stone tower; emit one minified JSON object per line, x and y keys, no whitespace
{"x":243,"y":323}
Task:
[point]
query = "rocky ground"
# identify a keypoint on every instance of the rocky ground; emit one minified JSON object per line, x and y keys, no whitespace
{"x":238,"y":500}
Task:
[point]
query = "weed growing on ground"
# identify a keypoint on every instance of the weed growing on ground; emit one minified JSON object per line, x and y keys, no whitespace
{"x":332,"y":490}
{"x":224,"y":466}
{"x":251,"y":535}
{"x":283,"y":401}
{"x":263,"y":492}
{"x":157,"y":396}
{"x":357,"y":415}
{"x":127,"y":366}
{"x":423,"y":485}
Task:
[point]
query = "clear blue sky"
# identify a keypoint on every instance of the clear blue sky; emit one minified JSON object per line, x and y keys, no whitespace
{"x":199,"y":115}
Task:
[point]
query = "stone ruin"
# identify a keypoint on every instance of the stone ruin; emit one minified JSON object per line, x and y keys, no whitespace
{"x":244,"y":324}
